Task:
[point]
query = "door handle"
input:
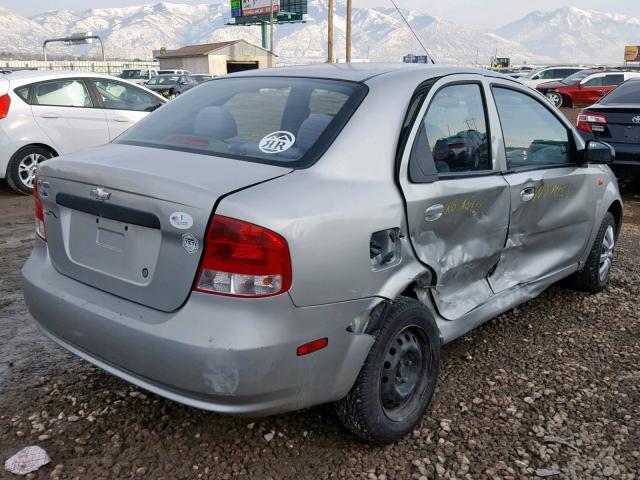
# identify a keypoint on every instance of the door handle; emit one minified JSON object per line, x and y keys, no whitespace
{"x":434,"y":212}
{"x":121,"y":119}
{"x":50,"y":115}
{"x":527,"y":194}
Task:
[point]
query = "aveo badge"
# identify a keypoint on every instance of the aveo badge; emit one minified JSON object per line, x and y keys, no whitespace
{"x":277,"y":142}
{"x":190,"y":243}
{"x":181,"y":220}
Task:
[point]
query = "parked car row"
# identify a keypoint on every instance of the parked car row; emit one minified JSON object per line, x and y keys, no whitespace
{"x":169,"y":82}
{"x":612,"y":100}
{"x":615,"y":119}
{"x":584,"y":87}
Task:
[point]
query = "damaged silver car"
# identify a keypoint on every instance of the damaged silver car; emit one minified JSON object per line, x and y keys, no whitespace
{"x":282,"y":238}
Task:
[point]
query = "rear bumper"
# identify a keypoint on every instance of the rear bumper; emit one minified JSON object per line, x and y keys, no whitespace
{"x":227,"y":355}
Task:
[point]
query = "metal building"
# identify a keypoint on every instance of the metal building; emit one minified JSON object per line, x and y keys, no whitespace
{"x":218,"y":58}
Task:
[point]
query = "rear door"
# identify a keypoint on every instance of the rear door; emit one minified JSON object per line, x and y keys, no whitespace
{"x":65,"y":111}
{"x":123,"y":104}
{"x":457,"y":200}
{"x":552,"y":195}
{"x":597,"y":87}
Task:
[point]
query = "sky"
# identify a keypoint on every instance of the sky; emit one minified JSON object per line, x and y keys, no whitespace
{"x":471,"y":13}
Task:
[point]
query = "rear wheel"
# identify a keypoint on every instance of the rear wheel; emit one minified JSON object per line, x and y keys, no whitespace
{"x":555,"y":98}
{"x":398,"y":379}
{"x":594,"y":276}
{"x":23,"y":166}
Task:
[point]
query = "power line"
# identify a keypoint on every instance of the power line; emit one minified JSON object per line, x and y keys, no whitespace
{"x":413,"y":31}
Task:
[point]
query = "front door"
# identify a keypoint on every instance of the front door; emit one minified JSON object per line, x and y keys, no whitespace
{"x":552,"y":204}
{"x":64,"y":110}
{"x":457,"y":200}
{"x":123,"y":104}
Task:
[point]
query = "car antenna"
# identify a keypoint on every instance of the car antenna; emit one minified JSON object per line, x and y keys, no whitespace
{"x":413,"y":31}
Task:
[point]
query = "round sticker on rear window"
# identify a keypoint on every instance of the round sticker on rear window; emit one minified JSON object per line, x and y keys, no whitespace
{"x":277,"y":142}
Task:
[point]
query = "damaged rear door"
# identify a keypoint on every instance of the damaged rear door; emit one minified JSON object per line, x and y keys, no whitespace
{"x":552,"y":191}
{"x":457,"y":200}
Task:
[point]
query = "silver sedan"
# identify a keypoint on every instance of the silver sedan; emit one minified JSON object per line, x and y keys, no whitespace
{"x":282,"y":238}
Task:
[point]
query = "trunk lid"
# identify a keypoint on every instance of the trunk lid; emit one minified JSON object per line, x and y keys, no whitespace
{"x":131,"y":220}
{"x":620,"y":127}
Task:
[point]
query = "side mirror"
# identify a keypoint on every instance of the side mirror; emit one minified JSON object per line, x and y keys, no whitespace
{"x":599,"y":152}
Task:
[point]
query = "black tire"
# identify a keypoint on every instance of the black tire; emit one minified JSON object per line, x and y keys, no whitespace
{"x":17,"y":176}
{"x":369,"y":410}
{"x":589,"y":278}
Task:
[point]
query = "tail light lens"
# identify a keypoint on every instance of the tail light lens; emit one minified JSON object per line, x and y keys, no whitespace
{"x":39,"y":213}
{"x":243,"y":260}
{"x":587,"y":120}
{"x":5,"y":102}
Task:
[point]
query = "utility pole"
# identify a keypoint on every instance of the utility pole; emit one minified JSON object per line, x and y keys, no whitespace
{"x":330,"y":32}
{"x":348,"y":49}
{"x":271,"y":28}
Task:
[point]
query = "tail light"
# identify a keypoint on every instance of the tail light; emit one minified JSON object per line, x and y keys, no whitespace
{"x":587,"y":120}
{"x":5,"y":102}
{"x":39,"y":213}
{"x":243,"y":260}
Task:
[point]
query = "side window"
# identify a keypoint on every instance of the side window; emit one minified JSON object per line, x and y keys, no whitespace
{"x":23,"y":93}
{"x":62,"y":93}
{"x":547,"y":74}
{"x":326,"y":101}
{"x":120,"y":96}
{"x":616,"y":79}
{"x":533,"y":136}
{"x":595,"y":82}
{"x":454,"y":131}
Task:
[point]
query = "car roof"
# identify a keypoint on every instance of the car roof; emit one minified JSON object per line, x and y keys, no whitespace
{"x":26,"y":76}
{"x":362,"y":72}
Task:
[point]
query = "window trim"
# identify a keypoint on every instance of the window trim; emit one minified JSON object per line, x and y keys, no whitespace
{"x":547,"y":106}
{"x":32,"y":93}
{"x":98,"y":100}
{"x":441,"y":176}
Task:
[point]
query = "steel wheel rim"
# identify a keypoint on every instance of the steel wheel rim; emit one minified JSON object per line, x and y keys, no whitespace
{"x":404,"y":369}
{"x":606,"y":253}
{"x":28,"y":167}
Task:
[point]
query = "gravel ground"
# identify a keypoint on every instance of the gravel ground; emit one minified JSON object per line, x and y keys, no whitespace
{"x":550,"y":387}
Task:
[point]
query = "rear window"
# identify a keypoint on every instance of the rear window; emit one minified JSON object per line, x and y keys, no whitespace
{"x":628,"y":92}
{"x":275,"y":120}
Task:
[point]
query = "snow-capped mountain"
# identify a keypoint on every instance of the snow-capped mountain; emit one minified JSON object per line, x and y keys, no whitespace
{"x":378,"y":33}
{"x":578,"y":35}
{"x":19,"y":35}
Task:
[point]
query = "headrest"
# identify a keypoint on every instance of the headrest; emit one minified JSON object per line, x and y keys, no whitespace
{"x":215,"y":122}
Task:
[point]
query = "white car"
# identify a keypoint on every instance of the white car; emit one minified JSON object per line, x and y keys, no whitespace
{"x":46,"y":114}
{"x":548,"y":74}
{"x":171,"y":71}
{"x":138,"y":75}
